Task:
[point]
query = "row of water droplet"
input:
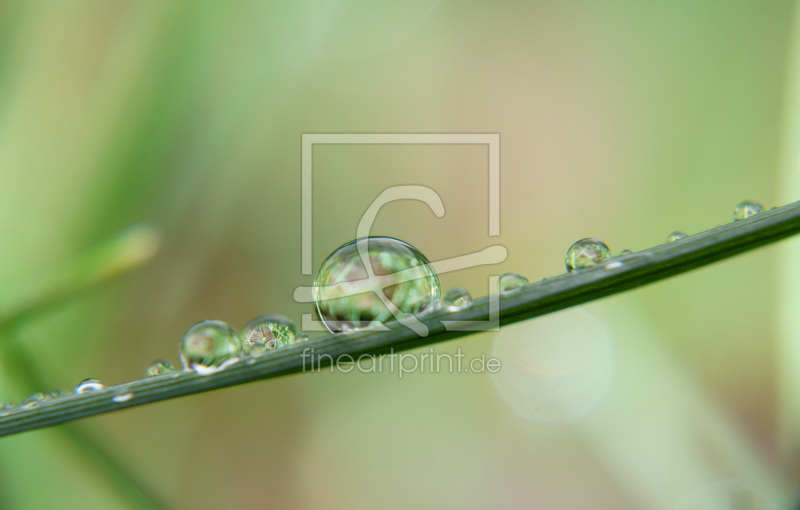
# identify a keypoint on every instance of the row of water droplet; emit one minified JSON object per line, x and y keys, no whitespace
{"x":346,"y":297}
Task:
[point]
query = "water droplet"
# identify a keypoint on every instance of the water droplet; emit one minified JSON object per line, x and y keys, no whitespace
{"x":625,"y":252}
{"x":89,"y":385}
{"x":8,"y":405}
{"x":34,"y":400}
{"x":269,"y":331}
{"x":456,"y":298}
{"x":208,"y":345}
{"x":302,"y":337}
{"x":347,"y":297}
{"x":123,"y":398}
{"x":677,"y":235}
{"x":512,"y":281}
{"x":746,"y":209}
{"x":586,"y":253}
{"x":159,"y":367}
{"x":57,"y":393}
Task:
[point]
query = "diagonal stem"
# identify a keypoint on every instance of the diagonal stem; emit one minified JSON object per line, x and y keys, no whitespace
{"x":539,"y":298}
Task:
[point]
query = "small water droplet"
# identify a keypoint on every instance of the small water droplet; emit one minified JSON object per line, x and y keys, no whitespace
{"x":34,"y":400}
{"x":208,"y":345}
{"x":614,"y":264}
{"x":123,"y":398}
{"x":57,"y":393}
{"x":676,"y":236}
{"x":586,"y":253}
{"x":746,"y":209}
{"x":347,"y":297}
{"x":512,"y":281}
{"x":302,"y":337}
{"x":89,"y":385}
{"x":456,"y":298}
{"x":267,"y":332}
{"x":8,"y":405}
{"x":625,"y":252}
{"x":159,"y":367}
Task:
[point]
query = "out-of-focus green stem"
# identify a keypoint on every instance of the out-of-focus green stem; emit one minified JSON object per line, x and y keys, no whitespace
{"x":24,"y":370}
{"x":549,"y":295}
{"x":129,"y":249}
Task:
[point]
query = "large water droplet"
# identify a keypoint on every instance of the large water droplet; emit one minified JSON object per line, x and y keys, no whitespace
{"x":586,"y":253}
{"x":210,"y":345}
{"x":676,"y":236}
{"x":746,"y":209}
{"x":269,"y":331}
{"x":512,"y":281}
{"x":159,"y":367}
{"x":89,"y":385}
{"x":456,"y":298}
{"x":347,"y":297}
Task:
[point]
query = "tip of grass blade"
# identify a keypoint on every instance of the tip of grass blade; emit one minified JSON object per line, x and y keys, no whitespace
{"x":127,"y":250}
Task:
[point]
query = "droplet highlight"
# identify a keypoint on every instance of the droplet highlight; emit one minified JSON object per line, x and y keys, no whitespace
{"x":512,"y":281}
{"x":676,"y":236}
{"x":586,"y":253}
{"x":159,"y":367}
{"x":123,"y":398}
{"x":746,"y":209}
{"x":267,"y":332}
{"x":360,"y":283}
{"x":88,"y":385}
{"x":456,"y":299}
{"x":209,"y":346}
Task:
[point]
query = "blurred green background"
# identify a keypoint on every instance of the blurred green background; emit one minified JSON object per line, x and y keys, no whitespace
{"x":619,"y":120}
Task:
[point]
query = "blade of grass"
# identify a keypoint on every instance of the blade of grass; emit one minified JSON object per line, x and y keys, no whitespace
{"x":539,"y":298}
{"x":23,"y":368}
{"x":129,"y":249}
{"x":124,"y":252}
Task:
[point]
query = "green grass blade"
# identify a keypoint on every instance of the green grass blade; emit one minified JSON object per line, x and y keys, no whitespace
{"x":537,"y":299}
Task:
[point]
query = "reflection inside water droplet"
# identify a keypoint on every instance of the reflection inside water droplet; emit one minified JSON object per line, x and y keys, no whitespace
{"x":267,"y":332}
{"x":89,"y":385}
{"x":556,"y":368}
{"x":456,"y":299}
{"x":746,"y":209}
{"x":586,"y":253}
{"x":676,"y":236}
{"x":159,"y":367}
{"x":207,"y":345}
{"x":348,"y":298}
{"x":512,"y":281}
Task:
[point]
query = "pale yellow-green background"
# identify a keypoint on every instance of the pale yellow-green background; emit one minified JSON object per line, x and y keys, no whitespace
{"x":622,"y":120}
